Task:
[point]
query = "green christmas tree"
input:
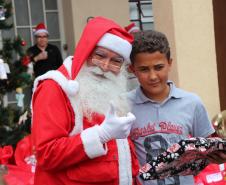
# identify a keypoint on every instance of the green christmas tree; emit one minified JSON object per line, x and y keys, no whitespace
{"x":12,"y":129}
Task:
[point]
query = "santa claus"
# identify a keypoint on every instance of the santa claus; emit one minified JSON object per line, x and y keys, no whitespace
{"x":81,"y":119}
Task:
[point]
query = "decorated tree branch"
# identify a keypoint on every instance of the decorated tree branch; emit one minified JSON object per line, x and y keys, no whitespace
{"x":14,"y":120}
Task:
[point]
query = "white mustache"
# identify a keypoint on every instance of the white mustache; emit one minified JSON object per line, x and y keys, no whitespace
{"x":97,"y":71}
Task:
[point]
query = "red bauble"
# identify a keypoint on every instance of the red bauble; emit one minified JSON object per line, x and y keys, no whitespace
{"x":25,"y":60}
{"x":23,"y":43}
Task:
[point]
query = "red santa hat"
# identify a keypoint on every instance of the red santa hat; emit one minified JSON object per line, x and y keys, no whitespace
{"x":131,"y":28}
{"x":101,"y":32}
{"x":40,"y":28}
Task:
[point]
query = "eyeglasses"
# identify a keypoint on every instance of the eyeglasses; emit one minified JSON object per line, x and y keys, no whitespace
{"x":112,"y":66}
{"x":106,"y":59}
{"x":41,"y":37}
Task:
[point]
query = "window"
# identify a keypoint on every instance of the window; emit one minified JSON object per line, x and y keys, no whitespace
{"x":28,"y":13}
{"x":141,"y":14}
{"x":25,"y":16}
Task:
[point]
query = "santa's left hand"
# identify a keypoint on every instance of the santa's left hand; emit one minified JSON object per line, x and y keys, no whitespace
{"x":115,"y":127}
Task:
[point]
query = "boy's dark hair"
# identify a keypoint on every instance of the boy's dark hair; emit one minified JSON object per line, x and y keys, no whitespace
{"x":150,"y":41}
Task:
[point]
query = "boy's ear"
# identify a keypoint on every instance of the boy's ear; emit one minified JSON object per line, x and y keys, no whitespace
{"x":130,"y":68}
{"x":170,"y":61}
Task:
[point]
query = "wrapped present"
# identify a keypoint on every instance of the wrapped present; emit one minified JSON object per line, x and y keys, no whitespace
{"x":188,"y":157}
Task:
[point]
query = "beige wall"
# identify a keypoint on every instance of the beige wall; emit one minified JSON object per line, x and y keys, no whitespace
{"x":189,"y":26}
{"x":164,"y":22}
{"x":117,"y":10}
{"x":68,"y":26}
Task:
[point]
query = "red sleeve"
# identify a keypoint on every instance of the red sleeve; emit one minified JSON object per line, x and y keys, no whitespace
{"x":53,"y":119}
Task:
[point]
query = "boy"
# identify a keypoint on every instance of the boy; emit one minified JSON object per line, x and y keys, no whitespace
{"x":164,"y":113}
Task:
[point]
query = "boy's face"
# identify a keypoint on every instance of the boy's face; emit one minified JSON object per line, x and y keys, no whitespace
{"x":152,"y":71}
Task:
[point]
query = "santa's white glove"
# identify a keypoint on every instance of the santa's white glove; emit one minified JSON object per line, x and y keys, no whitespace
{"x":114,"y":127}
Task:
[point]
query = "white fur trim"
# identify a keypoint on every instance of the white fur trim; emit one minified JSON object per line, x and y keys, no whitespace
{"x":92,"y":144}
{"x":65,"y":84}
{"x":70,"y":88}
{"x":75,"y":103}
{"x":116,"y":44}
{"x":41,"y":31}
{"x":134,"y":29}
{"x":125,"y":169}
{"x":68,"y":64}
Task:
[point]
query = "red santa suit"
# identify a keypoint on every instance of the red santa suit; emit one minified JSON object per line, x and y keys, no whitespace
{"x":68,"y":147}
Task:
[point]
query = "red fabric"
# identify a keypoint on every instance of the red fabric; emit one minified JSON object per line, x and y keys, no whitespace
{"x":92,"y":33}
{"x":21,"y":173}
{"x":6,"y":153}
{"x":25,"y":60}
{"x":130,"y":26}
{"x":18,"y":175}
{"x":23,"y":150}
{"x":40,"y":26}
{"x":62,"y":160}
{"x":211,"y":175}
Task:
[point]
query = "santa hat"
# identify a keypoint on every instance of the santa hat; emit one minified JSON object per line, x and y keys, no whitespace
{"x":101,"y":32}
{"x":131,"y":28}
{"x":40,"y":28}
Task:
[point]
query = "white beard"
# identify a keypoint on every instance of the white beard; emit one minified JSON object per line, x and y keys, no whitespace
{"x":97,"y":89}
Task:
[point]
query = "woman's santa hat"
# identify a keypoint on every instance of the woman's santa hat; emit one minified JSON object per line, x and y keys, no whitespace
{"x":101,"y":32}
{"x":40,"y":28}
{"x":132,"y":28}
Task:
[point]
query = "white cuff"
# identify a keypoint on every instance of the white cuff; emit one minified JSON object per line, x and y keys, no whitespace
{"x":92,"y":144}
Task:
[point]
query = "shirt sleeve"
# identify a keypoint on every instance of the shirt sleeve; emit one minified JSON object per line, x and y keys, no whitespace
{"x":202,"y":126}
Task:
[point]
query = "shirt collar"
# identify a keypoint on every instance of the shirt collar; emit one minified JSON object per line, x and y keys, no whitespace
{"x":174,"y":93}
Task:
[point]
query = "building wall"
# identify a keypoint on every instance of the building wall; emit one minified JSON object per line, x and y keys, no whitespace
{"x":190,"y":29}
{"x":163,"y":21}
{"x":68,"y":26}
{"x":117,"y":10}
{"x":220,"y":38}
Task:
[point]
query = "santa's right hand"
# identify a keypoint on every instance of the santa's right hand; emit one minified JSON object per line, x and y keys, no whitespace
{"x":114,"y":127}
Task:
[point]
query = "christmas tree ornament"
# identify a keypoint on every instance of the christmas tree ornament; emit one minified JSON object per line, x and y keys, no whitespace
{"x":23,"y":43}
{"x":7,"y":68}
{"x":26,"y":60}
{"x":2,"y":13}
{"x":20,"y":97}
{"x":3,"y":72}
